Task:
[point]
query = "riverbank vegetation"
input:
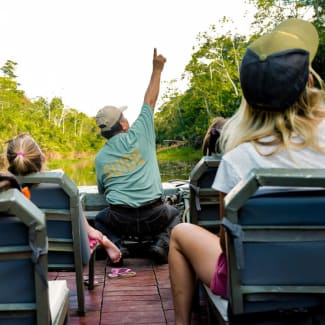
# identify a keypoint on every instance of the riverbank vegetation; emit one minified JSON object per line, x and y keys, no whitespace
{"x":212,"y":90}
{"x":213,"y":71}
{"x":185,"y":153}
{"x":174,"y":163}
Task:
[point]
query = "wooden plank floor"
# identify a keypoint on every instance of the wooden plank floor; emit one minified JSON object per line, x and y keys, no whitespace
{"x":143,"y":299}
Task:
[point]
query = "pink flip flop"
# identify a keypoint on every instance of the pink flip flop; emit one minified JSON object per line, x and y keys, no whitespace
{"x":121,"y":272}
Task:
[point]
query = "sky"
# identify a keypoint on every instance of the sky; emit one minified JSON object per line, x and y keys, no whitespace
{"x":93,"y":53}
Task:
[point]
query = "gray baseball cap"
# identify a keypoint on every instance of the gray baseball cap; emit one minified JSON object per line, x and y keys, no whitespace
{"x":108,"y":116}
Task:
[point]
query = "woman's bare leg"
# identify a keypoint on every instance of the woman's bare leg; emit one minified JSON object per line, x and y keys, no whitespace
{"x":193,"y":253}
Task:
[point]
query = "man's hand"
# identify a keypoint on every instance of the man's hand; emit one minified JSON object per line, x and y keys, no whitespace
{"x":152,"y":92}
{"x":158,"y":61}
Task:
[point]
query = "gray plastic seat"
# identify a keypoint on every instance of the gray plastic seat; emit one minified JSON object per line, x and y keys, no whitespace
{"x":275,"y":242}
{"x":26,"y":295}
{"x":58,"y":197}
{"x":204,"y":200}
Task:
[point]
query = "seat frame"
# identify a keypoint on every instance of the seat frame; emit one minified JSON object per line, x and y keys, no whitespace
{"x":74,"y":246}
{"x":234,"y":201}
{"x":202,"y":197}
{"x":14,"y":203}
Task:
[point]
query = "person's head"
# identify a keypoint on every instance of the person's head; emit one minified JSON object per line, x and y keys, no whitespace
{"x":210,"y":140}
{"x":24,"y":155}
{"x":278,"y":96}
{"x":110,"y":120}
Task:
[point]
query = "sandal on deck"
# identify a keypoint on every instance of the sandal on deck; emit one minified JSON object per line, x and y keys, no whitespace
{"x":121,"y":272}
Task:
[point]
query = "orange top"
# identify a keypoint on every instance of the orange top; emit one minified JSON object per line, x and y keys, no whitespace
{"x":26,"y":192}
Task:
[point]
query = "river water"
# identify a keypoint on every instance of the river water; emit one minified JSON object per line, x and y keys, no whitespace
{"x":82,"y":171}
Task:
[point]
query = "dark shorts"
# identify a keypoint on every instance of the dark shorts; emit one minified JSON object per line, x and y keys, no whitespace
{"x":149,"y":221}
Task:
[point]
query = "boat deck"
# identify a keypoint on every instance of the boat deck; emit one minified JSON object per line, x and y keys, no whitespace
{"x":143,"y":299}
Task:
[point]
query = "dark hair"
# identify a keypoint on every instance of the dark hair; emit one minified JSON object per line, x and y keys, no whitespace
{"x":116,"y":128}
{"x":210,"y":144}
{"x":7,"y":180}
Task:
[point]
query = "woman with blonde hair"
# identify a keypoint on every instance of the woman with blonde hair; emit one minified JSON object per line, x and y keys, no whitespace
{"x":25,"y":157}
{"x":280,"y":124}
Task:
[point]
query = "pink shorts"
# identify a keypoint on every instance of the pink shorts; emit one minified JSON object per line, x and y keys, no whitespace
{"x":218,"y":283}
{"x":92,"y":242}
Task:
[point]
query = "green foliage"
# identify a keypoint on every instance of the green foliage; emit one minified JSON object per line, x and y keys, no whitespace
{"x":180,"y":153}
{"x":57,"y":129}
{"x":214,"y":89}
{"x":9,"y":69}
{"x":213,"y":71}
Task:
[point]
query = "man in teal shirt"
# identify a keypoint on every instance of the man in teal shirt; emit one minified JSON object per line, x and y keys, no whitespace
{"x":128,"y":175}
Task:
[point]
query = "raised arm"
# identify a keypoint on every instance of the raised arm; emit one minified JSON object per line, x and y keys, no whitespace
{"x":152,"y":92}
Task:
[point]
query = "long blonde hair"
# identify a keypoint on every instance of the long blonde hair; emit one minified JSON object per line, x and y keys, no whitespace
{"x":301,"y":119}
{"x":24,"y":155}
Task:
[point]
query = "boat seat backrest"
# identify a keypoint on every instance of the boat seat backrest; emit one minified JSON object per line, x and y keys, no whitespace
{"x":58,"y":197}
{"x":276,"y":241}
{"x":287,"y":206}
{"x":17,"y":275}
{"x":52,"y":197}
{"x":204,"y":200}
{"x":291,"y":207}
{"x":23,"y":262}
{"x":49,"y":196}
